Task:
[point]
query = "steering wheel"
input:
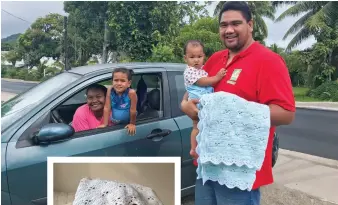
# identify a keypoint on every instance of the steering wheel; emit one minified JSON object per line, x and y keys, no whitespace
{"x":57,"y":117}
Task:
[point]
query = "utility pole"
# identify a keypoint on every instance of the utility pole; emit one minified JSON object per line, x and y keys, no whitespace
{"x":65,"y":43}
{"x":105,"y":42}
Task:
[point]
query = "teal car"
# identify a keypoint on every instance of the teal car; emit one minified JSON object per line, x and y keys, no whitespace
{"x":37,"y":124}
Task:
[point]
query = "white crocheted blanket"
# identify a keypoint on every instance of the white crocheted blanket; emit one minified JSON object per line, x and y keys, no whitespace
{"x":105,"y":192}
{"x":232,"y":139}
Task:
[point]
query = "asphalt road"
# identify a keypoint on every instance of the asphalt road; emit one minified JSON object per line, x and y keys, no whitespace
{"x":313,"y":132}
{"x":15,"y":87}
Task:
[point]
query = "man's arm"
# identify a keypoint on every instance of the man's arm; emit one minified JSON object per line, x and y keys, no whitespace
{"x":185,"y":98}
{"x":275,"y":90}
{"x":280,"y":116}
{"x":189,"y":107}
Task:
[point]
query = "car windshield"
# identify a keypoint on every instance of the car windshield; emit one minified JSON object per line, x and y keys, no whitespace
{"x":20,"y":105}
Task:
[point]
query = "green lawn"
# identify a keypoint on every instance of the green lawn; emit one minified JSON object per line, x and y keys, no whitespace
{"x":300,"y":95}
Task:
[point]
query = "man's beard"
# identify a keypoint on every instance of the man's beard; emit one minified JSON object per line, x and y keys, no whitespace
{"x":235,"y":48}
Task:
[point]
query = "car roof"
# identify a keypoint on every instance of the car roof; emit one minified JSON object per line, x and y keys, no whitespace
{"x":90,"y":69}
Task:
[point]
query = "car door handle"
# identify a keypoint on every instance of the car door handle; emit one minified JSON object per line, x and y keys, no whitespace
{"x":158,"y":133}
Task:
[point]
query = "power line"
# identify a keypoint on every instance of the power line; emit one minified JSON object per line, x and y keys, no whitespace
{"x":15,"y":16}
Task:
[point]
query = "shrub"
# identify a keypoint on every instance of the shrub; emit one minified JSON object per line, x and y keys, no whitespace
{"x":11,"y":73}
{"x":162,"y":53}
{"x":326,"y":91}
{"x":22,"y":73}
{"x":33,"y":75}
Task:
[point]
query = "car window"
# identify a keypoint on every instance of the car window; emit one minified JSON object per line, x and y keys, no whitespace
{"x":80,"y":98}
{"x":180,"y":87}
{"x":20,"y":105}
{"x":177,"y":91}
{"x":148,"y":88}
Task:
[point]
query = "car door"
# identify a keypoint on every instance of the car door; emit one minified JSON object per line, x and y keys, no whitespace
{"x":177,"y":90}
{"x":27,"y":164}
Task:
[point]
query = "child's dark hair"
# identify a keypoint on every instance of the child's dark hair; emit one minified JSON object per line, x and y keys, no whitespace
{"x":97,"y":87}
{"x":194,"y":43}
{"x":126,"y":71}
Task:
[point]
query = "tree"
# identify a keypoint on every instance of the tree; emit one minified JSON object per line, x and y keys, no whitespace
{"x":86,"y":21}
{"x":8,"y":43}
{"x":320,"y":20}
{"x":134,"y":28}
{"x":43,"y":39}
{"x":259,"y":9}
{"x":138,"y":26}
{"x":204,"y":30}
{"x":296,"y":63}
{"x":275,"y":48}
{"x":315,"y":15}
{"x":7,"y":46}
{"x":12,"y":56}
{"x":163,"y":53}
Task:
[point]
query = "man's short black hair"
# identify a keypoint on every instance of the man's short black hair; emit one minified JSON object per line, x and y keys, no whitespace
{"x":194,"y":43}
{"x":97,"y":87}
{"x":241,"y":6}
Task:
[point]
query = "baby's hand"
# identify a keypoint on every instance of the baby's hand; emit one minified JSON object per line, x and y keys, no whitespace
{"x":221,"y":73}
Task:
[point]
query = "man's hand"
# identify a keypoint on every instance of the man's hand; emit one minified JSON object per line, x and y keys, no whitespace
{"x":189,"y":107}
{"x":131,"y":129}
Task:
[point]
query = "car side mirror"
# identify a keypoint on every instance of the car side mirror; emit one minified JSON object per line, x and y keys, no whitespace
{"x":53,"y":132}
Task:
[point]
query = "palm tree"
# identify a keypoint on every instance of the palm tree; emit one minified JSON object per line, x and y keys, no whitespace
{"x":275,"y":48}
{"x":317,"y":14}
{"x":259,"y":10}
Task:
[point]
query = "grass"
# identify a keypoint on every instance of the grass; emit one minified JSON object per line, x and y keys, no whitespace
{"x":300,"y":95}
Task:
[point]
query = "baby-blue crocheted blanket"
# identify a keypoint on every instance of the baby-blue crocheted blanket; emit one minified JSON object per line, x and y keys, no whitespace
{"x":232,"y":139}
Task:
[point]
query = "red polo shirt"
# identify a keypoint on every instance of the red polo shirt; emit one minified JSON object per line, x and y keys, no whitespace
{"x":256,"y":74}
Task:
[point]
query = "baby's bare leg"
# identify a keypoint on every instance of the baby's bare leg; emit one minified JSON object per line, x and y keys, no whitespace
{"x":193,"y":141}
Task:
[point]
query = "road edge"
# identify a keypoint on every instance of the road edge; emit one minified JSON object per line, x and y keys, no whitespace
{"x":312,"y":158}
{"x":19,"y":80}
{"x":267,"y":192}
{"x":317,"y":108}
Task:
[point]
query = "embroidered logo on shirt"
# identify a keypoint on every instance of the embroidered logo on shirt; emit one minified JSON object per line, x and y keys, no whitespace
{"x":234,"y":76}
{"x":123,"y":105}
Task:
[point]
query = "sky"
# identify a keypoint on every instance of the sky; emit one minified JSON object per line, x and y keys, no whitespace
{"x":31,"y":10}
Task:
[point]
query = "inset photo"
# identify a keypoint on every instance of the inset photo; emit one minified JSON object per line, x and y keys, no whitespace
{"x":114,"y":180}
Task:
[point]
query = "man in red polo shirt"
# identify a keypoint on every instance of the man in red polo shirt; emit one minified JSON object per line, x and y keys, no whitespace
{"x":256,"y":74}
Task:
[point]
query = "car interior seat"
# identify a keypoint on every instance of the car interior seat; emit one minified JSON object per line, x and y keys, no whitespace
{"x":141,"y":92}
{"x":153,"y":105}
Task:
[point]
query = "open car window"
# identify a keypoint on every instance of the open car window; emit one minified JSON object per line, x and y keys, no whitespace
{"x":148,"y":87}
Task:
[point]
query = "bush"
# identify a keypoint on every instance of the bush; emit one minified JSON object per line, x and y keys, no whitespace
{"x":33,"y":75}
{"x":326,"y":91}
{"x":162,"y":53}
{"x":11,"y":73}
{"x":22,"y":73}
